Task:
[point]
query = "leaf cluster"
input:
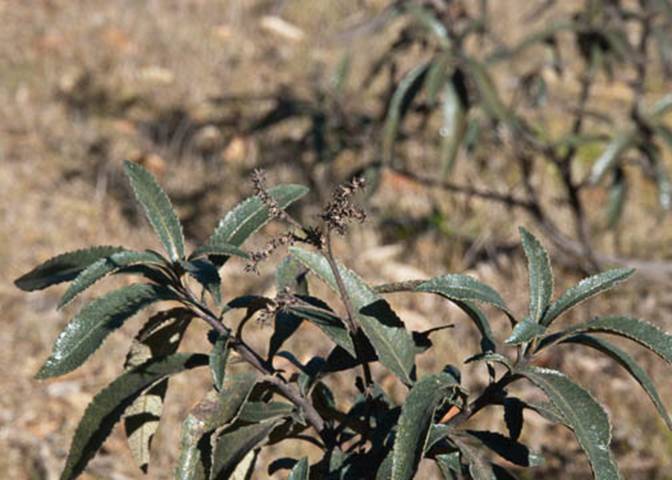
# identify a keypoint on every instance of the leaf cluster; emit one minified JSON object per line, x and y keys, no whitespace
{"x":374,"y":436}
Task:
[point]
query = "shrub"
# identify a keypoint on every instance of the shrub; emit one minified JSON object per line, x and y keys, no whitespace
{"x":245,"y":411}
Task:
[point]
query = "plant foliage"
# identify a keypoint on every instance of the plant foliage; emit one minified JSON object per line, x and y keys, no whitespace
{"x":373,"y":437}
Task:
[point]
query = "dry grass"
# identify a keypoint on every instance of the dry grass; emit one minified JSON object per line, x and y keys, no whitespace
{"x":123,"y":67}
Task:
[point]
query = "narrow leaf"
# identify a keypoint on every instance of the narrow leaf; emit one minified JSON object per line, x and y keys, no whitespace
{"x":586,"y":288}
{"x":489,"y":96}
{"x":582,"y":414}
{"x":326,"y":320}
{"x":100,"y":268}
{"x":218,"y":249}
{"x":63,"y":268}
{"x":205,"y":272}
{"x":628,"y":363}
{"x":216,"y":410}
{"x":513,"y":416}
{"x":525,"y":331}
{"x":301,"y":470}
{"x":621,"y":142}
{"x":479,"y":466}
{"x":255,"y":412}
{"x":160,"y":337}
{"x":158,"y":209}
{"x":455,"y":106}
{"x":289,"y":276}
{"x":618,"y":192}
{"x":87,"y":331}
{"x":219,"y":356}
{"x":249,"y":216}
{"x":235,"y":443}
{"x":541,"y":276}
{"x":416,"y":418}
{"x":463,"y":288}
{"x":406,"y":91}
{"x":644,"y":333}
{"x":107,"y":407}
{"x":386,"y":332}
{"x":508,"y":449}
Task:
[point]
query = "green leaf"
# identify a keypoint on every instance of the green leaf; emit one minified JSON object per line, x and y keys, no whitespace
{"x":216,"y":410}
{"x":62,"y":268}
{"x":455,"y":106}
{"x":489,"y":96}
{"x":621,"y":143}
{"x":327,"y":321}
{"x":414,"y":423}
{"x":479,"y":466}
{"x":628,"y":363}
{"x":386,"y":332}
{"x":158,"y":209}
{"x":219,"y":356}
{"x":160,"y":337}
{"x":491,"y":357}
{"x":406,"y":91}
{"x":100,"y":268}
{"x":525,"y":331}
{"x":205,"y":272}
{"x":428,"y":20}
{"x":218,"y":249}
{"x":582,"y":414}
{"x":255,"y":412}
{"x":87,"y":331}
{"x":449,"y":464}
{"x":508,"y":449}
{"x":541,"y":276}
{"x":249,"y":216}
{"x":235,"y":443}
{"x":463,"y":288}
{"x":488,"y":341}
{"x":618,"y":192}
{"x":300,"y":471}
{"x":513,"y":416}
{"x":586,"y":288}
{"x":644,"y":333}
{"x":662,"y":106}
{"x":107,"y":407}
{"x":290,"y":275}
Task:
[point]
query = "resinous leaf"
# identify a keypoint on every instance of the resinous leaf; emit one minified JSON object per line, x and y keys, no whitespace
{"x":158,"y":209}
{"x":206,"y":273}
{"x":62,"y":268}
{"x":582,"y":414}
{"x":627,"y":362}
{"x":386,"y":332}
{"x":325,"y":320}
{"x":100,"y":268}
{"x":249,"y":216}
{"x":109,"y":404}
{"x":216,"y":410}
{"x":585,"y":289}
{"x":160,"y":337}
{"x":416,"y":418}
{"x":541,"y":276}
{"x":87,"y":331}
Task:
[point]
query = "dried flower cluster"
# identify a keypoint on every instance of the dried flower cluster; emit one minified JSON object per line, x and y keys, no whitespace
{"x":341,"y":210}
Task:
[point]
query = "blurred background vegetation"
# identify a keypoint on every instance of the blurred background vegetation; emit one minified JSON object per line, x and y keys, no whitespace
{"x":468,"y":118}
